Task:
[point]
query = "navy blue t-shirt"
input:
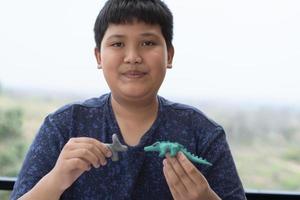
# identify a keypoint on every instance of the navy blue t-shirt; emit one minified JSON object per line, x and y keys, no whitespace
{"x":137,"y":175}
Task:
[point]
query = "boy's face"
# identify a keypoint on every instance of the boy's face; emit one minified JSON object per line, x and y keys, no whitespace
{"x":134,"y":58}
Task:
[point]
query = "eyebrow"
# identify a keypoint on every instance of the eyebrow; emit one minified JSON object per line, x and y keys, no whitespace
{"x":145,"y":34}
{"x":116,"y":36}
{"x":148,"y":34}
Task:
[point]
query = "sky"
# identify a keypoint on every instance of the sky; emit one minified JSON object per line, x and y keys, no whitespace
{"x":231,"y":49}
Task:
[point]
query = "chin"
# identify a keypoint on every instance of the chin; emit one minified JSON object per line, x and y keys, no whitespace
{"x":138,"y":94}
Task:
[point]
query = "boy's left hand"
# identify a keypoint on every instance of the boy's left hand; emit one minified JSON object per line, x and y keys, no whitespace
{"x":185,"y":180}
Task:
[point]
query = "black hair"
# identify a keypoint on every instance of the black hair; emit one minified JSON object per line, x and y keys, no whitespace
{"x":126,"y":11}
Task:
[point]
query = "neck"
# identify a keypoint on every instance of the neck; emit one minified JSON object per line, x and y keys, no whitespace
{"x":138,"y":110}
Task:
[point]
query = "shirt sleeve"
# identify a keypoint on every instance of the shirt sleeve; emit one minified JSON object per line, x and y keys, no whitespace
{"x":222,"y":176}
{"x":40,"y":158}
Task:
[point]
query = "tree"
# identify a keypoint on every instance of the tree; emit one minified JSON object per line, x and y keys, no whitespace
{"x":12,"y":146}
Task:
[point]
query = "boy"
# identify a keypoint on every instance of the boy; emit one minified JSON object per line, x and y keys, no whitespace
{"x":68,"y":158}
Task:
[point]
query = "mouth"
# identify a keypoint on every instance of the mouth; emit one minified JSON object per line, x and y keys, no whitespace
{"x":134,"y":74}
{"x":149,"y":149}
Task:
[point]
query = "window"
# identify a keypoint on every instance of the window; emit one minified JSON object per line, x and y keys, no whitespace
{"x":237,"y":61}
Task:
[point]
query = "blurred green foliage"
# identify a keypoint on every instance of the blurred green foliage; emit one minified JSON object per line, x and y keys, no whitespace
{"x":10,"y":124}
{"x":4,"y":195}
{"x":12,"y":141}
{"x":12,"y":146}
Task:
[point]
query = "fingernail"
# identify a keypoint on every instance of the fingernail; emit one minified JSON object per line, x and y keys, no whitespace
{"x":104,"y":163}
{"x":165,"y":162}
{"x":181,"y":156}
{"x":108,"y":154}
{"x":97,"y":166}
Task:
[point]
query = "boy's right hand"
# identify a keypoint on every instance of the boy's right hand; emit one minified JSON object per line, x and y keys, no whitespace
{"x":77,"y":156}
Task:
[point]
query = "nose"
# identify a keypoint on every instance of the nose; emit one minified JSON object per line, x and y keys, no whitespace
{"x":132,"y":56}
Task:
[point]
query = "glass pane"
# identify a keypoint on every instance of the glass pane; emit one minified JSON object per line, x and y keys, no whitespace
{"x":20,"y":117}
{"x":237,"y":61}
{"x":4,"y":195}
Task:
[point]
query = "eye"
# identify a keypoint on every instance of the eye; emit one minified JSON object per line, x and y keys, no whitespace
{"x":148,"y":43}
{"x":117,"y":44}
{"x":156,"y":143}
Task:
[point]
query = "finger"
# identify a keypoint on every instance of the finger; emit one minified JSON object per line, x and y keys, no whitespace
{"x":181,"y":173}
{"x":101,"y":146}
{"x":194,"y":174}
{"x":84,"y":154}
{"x":174,"y":179}
{"x":174,"y":193}
{"x":74,"y":144}
{"x":77,"y":163}
{"x":102,"y":150}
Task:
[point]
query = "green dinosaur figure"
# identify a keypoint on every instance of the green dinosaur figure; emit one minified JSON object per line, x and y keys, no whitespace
{"x":173,"y":148}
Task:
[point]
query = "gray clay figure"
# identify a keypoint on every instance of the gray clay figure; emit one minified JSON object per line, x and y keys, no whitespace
{"x":116,"y":147}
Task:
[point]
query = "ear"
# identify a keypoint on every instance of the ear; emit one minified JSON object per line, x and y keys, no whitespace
{"x":98,"y":57}
{"x":170,"y":56}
